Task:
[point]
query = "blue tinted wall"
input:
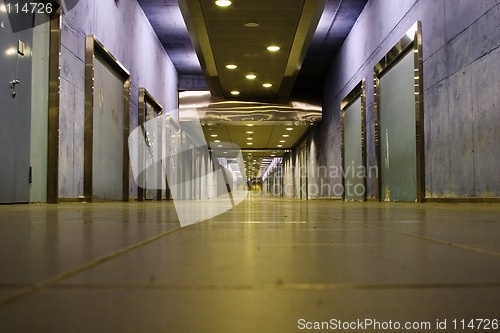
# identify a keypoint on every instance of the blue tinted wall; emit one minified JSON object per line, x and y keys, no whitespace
{"x":461,"y":55}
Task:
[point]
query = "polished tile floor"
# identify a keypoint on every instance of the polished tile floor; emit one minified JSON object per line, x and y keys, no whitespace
{"x":268,"y":265}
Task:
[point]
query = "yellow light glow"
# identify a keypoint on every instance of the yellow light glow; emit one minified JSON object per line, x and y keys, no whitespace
{"x":289,"y":129}
{"x":231,"y":66}
{"x":249,"y":125}
{"x":249,"y":132}
{"x":285,"y":135}
{"x":223,"y":3}
{"x":252,"y":24}
{"x":10,"y":52}
{"x":235,"y":92}
{"x":214,"y":135}
{"x":251,"y":76}
{"x":273,"y":48}
{"x":267,"y":85}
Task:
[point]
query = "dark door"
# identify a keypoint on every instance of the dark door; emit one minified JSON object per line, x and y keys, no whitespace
{"x":15,"y":112}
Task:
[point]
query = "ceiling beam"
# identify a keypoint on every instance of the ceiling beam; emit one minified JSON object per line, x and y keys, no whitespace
{"x":193,"y":16}
{"x":309,"y":19}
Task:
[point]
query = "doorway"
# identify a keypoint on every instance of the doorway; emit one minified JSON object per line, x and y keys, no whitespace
{"x":303,"y":170}
{"x":107,"y":125}
{"x":15,"y":112}
{"x":353,"y":144}
{"x":399,"y":121}
{"x":151,"y":181}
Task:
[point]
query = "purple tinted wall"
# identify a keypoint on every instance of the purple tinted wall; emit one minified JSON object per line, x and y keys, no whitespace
{"x":461,"y":54}
{"x":125,"y":31}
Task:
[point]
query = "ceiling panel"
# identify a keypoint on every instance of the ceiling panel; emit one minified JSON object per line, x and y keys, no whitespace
{"x":276,"y":18}
{"x":262,"y":137}
{"x":221,"y":37}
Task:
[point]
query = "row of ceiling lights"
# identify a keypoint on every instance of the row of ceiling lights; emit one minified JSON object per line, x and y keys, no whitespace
{"x":270,"y":48}
{"x":250,"y":138}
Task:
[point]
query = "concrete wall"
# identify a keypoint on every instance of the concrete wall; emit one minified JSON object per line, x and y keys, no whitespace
{"x":461,"y":54}
{"x":125,"y":31}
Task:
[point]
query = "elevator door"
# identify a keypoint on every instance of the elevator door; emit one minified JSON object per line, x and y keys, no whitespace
{"x":152,"y":177}
{"x":398,"y":132}
{"x":354,"y":188}
{"x":108,"y":130}
{"x":15,"y":113}
{"x":303,"y":173}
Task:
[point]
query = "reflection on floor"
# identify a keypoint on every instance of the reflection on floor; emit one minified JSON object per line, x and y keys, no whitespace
{"x":269,"y":265}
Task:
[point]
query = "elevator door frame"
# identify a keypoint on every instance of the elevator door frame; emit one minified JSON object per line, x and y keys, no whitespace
{"x":359,"y":91}
{"x":146,"y":97}
{"x":94,"y":48}
{"x":412,"y":40}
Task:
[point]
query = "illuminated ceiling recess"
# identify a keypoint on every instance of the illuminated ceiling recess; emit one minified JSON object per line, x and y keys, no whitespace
{"x":240,"y":34}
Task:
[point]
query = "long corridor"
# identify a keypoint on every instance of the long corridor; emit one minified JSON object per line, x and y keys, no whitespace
{"x":269,"y":265}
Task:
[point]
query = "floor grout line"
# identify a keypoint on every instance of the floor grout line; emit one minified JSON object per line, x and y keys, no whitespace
{"x":434,"y":240}
{"x":280,"y":286}
{"x":65,"y":275}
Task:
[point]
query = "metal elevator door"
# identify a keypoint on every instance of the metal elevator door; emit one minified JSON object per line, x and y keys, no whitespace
{"x":152,"y":177}
{"x":15,"y":112}
{"x":303,"y":170}
{"x":108,"y":134}
{"x":398,"y":132}
{"x":354,"y":189}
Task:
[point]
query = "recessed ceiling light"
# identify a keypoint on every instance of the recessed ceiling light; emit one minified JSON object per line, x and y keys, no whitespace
{"x":235,"y":92}
{"x":252,"y":24}
{"x":285,"y":135}
{"x":282,"y":141}
{"x":273,"y":155}
{"x":280,"y":146}
{"x":249,"y":143}
{"x":231,"y":66}
{"x":273,"y":48}
{"x":249,"y":132}
{"x":267,"y":85}
{"x":289,"y":129}
{"x":217,"y":141}
{"x":251,"y":76}
{"x":249,"y":125}
{"x":249,"y":139}
{"x":223,"y":3}
{"x":251,"y":55}
{"x":214,"y":135}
